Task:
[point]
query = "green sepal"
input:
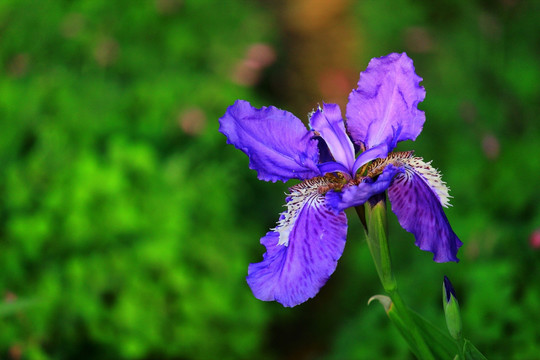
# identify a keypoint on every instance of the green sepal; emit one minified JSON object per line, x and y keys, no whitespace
{"x":451,"y":310}
{"x":471,"y":352}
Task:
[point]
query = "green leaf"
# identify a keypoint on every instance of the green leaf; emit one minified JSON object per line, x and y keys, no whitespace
{"x":471,"y":352}
{"x":398,"y":321}
{"x":442,"y":345}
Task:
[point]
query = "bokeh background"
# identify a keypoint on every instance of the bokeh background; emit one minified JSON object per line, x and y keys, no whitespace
{"x":127,"y":223}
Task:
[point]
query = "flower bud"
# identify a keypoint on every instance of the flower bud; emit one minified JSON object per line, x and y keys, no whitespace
{"x":451,"y":309}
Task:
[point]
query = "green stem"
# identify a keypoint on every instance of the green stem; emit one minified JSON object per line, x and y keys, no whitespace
{"x":461,"y":347}
{"x":423,"y":350}
{"x":376,"y":232}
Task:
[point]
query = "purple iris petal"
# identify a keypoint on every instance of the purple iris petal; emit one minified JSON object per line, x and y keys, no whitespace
{"x":303,"y":250}
{"x":448,"y":289}
{"x":358,"y":194}
{"x":324,"y":151}
{"x":293,"y":273}
{"x":329,"y":123}
{"x":278,"y":145}
{"x":384,"y":107}
{"x":332,"y":166}
{"x":379,"y":151}
{"x":419,"y":211}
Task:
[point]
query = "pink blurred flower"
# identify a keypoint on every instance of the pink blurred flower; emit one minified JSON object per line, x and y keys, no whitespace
{"x":491,"y":146}
{"x":534,"y":239}
{"x":248,"y":70}
{"x":192,"y":121}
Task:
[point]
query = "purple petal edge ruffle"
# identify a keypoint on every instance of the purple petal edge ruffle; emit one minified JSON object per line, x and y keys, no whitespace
{"x":278,"y":145}
{"x":385,"y":104}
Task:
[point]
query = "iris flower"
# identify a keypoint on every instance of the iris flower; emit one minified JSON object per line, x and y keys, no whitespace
{"x":303,"y":249}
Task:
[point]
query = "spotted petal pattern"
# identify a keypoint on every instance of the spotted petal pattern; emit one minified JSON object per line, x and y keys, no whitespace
{"x":419,"y":211}
{"x":293,"y":272}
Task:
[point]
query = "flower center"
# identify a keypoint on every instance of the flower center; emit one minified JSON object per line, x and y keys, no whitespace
{"x":396,"y":158}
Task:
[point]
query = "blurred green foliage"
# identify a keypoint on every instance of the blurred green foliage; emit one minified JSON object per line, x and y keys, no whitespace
{"x":127,"y":223}
{"x":119,"y":227}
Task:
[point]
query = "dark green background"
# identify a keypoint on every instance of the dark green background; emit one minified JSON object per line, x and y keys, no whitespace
{"x":127,"y":223}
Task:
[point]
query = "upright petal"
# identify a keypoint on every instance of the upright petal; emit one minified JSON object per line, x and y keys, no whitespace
{"x":324,"y":151}
{"x":384,"y":107}
{"x":278,"y":145}
{"x":418,"y":207}
{"x":329,"y":123}
{"x":355,"y":195}
{"x":332,"y":167}
{"x":302,"y":251}
{"x":378,"y":152}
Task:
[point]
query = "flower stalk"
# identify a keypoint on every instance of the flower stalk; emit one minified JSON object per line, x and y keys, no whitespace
{"x":376,"y":235}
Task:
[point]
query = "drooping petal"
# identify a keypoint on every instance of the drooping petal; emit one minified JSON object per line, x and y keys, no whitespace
{"x":302,"y":251}
{"x":278,"y":145}
{"x":418,"y":207}
{"x":329,"y":123}
{"x":431,"y":176}
{"x":355,"y":195}
{"x":384,"y":107}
